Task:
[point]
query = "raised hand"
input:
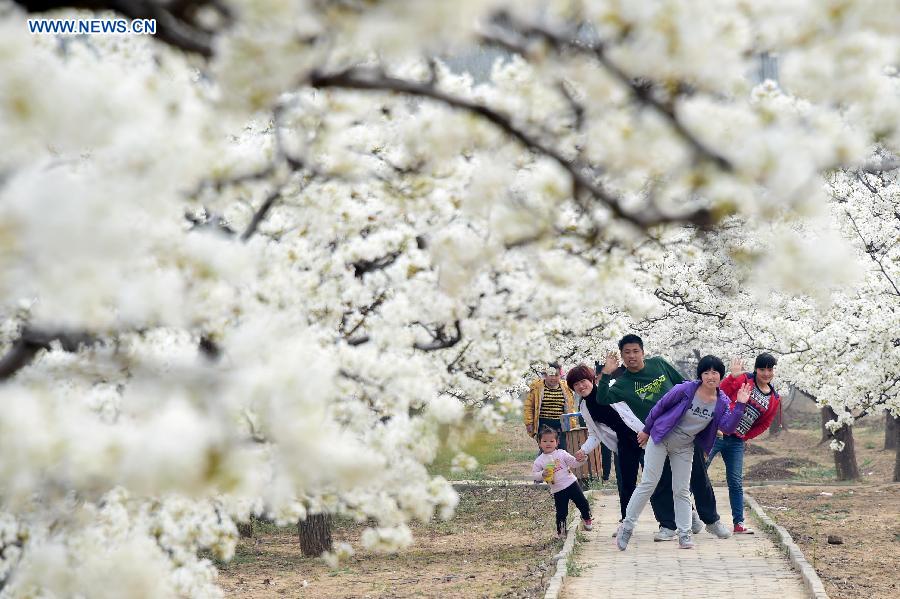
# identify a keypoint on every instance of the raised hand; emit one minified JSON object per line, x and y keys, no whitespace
{"x":743,"y":395}
{"x":612,"y":362}
{"x":737,"y":366}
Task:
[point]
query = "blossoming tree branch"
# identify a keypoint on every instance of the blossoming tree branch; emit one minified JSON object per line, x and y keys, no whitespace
{"x":270,"y":260}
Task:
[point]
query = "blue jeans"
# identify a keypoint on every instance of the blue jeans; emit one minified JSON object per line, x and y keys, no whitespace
{"x":732,"y":450}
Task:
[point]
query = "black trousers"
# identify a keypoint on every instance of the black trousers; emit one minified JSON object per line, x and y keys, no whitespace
{"x":605,"y":459}
{"x":561,"y":500}
{"x":627,"y":461}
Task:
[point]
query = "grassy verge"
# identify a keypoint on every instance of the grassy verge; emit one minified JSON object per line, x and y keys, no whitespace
{"x":509,"y":448}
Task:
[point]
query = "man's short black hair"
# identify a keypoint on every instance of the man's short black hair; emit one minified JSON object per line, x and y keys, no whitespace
{"x":631,"y":338}
{"x":553,"y":365}
{"x":708,"y":363}
{"x":765,"y":360}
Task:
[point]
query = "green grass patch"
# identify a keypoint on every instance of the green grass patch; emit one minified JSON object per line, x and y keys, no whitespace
{"x":242,"y":555}
{"x":485,"y":447}
{"x":597,"y":484}
{"x":816,"y":473}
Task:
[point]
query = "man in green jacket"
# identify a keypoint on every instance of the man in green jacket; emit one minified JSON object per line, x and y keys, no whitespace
{"x":642,"y":383}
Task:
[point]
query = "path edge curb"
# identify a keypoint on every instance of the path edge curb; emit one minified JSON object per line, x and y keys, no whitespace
{"x":783,"y":539}
{"x":562,"y":558}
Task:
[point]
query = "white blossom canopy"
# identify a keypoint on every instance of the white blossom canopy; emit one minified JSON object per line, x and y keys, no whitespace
{"x":269,"y":260}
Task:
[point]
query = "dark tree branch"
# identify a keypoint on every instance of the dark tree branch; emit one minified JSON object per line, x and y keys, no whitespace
{"x":281,"y":157}
{"x":255,"y":435}
{"x":358,"y":341}
{"x":574,"y":104}
{"x":266,"y":207}
{"x":751,"y":347}
{"x":218,"y":185}
{"x":210,"y":348}
{"x":31,"y":341}
{"x":362,"y":267}
{"x":261,"y":213}
{"x":678,"y":301}
{"x":640,"y":90}
{"x":364,"y":313}
{"x":872,"y":253}
{"x":360,"y":380}
{"x":452,"y":366}
{"x":440,"y":338}
{"x":376,"y":80}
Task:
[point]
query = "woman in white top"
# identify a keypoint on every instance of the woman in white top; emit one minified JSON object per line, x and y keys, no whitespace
{"x":613,"y":426}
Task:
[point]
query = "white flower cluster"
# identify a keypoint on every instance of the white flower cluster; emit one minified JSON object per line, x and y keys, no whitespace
{"x":291,"y":286}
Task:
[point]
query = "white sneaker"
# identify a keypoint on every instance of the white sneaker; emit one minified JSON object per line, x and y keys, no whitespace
{"x":664,"y":534}
{"x":696,"y":522}
{"x":718,"y":529}
{"x":685,"y":541}
{"x":622,"y":538}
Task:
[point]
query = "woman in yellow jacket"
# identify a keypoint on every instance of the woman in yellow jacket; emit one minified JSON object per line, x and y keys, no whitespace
{"x":547,"y":400}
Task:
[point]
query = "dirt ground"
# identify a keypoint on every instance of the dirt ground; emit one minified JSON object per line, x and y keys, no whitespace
{"x":866,"y":515}
{"x":867,"y":520}
{"x":497,"y":546}
{"x":499,"y":543}
{"x":796,"y":455}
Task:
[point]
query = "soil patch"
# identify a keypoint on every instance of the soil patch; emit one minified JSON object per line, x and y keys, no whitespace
{"x":866,"y":517}
{"x":755,"y":449}
{"x":497,"y":546}
{"x":776,"y":468}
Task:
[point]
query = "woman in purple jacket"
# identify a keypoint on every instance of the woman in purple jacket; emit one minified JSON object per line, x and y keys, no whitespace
{"x":689,"y":413}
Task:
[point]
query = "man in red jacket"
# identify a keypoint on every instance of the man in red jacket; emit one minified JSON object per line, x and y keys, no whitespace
{"x":758,"y":415}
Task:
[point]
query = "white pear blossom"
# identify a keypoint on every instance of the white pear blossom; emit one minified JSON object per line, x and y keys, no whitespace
{"x":277,"y":279}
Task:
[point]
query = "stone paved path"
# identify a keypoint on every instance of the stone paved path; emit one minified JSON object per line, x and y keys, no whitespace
{"x":743,"y":566}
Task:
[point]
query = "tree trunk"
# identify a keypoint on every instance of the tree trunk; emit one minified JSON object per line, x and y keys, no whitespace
{"x":891,"y":429}
{"x":315,"y":534}
{"x":897,"y":460}
{"x":827,"y":415}
{"x":245,"y":529}
{"x":778,"y":424}
{"x":844,"y":461}
{"x":784,"y":409}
